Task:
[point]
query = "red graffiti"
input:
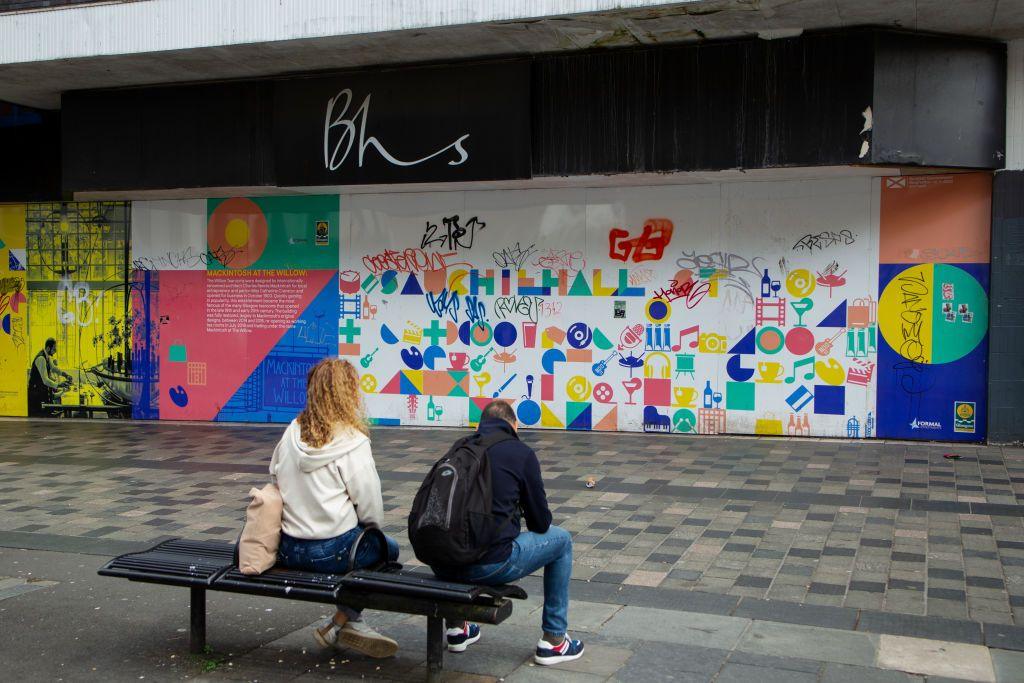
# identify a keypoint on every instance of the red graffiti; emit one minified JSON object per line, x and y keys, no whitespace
{"x":684,"y":286}
{"x":648,"y":246}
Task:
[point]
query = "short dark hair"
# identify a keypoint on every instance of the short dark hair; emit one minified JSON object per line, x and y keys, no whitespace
{"x":50,"y":342}
{"x":500,"y":410}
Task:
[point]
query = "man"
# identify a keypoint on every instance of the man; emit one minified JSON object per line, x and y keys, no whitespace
{"x":517,"y":486}
{"x":46,"y":381}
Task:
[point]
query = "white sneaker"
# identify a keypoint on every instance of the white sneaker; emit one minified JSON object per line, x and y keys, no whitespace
{"x":326,"y":633}
{"x":548,"y":654}
{"x":361,"y":638}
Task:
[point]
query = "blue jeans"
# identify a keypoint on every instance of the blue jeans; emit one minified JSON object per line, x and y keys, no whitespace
{"x":330,"y":556}
{"x":531,"y":551}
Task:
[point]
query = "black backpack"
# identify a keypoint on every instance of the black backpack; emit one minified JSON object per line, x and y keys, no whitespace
{"x":451,"y":524}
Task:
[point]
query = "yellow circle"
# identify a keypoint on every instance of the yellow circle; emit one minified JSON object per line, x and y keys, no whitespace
{"x":965,"y":411}
{"x":799,"y":283}
{"x":578,"y":388}
{"x":905,"y":312}
{"x":237,"y":232}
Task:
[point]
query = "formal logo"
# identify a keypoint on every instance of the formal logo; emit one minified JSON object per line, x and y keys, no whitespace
{"x":925,"y":424}
{"x":964,"y":416}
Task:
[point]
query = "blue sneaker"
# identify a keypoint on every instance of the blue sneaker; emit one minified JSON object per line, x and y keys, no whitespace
{"x":548,"y":654}
{"x":461,"y":638}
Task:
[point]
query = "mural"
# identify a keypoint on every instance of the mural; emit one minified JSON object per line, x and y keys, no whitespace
{"x":851,"y":307}
{"x":76,"y":257}
{"x":13,"y":312}
{"x":933,"y":309}
{"x":704,"y":308}
{"x":234,"y":301}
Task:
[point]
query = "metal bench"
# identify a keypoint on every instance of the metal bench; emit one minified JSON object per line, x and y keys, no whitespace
{"x":213,"y":565}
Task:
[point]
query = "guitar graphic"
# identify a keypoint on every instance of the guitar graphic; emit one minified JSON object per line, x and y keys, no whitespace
{"x":478,"y":362}
{"x":600,"y":366}
{"x":824,"y":348}
{"x":368,"y":358}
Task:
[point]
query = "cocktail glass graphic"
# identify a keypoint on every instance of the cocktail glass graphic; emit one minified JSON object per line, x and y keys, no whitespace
{"x":801,"y":306}
{"x":481,"y":380}
{"x":632,"y":385}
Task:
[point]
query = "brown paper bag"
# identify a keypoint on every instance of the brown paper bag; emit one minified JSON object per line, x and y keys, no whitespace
{"x":261,"y":536}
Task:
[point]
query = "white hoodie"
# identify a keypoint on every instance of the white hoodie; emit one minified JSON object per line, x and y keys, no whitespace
{"x":328,"y":490}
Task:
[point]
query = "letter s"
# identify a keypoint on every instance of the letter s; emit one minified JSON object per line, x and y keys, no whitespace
{"x":463,"y":154}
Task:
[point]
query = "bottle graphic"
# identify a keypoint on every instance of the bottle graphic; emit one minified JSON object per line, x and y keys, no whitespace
{"x":792,"y":427}
{"x":708,"y":394}
{"x":766,"y":285}
{"x":431,"y":410}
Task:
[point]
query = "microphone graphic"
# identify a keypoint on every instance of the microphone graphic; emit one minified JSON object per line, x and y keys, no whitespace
{"x":529,"y":386}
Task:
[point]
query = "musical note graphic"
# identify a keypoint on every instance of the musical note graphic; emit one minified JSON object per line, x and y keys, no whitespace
{"x":502,"y":387}
{"x":804,"y":362}
{"x":695,"y":330}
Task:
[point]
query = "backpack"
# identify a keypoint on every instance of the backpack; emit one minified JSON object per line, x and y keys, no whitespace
{"x":451,"y":524}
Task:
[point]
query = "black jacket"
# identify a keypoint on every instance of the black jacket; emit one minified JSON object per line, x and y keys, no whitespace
{"x":517,"y":487}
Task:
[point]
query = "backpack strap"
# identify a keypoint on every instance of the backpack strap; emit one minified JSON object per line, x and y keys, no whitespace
{"x":488,"y":440}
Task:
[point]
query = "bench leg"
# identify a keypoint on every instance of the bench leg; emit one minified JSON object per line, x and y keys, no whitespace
{"x":435,"y":649}
{"x":197,"y":621}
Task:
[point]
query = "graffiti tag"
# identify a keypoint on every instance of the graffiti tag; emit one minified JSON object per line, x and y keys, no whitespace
{"x":824,"y":240}
{"x":444,"y":303}
{"x":560,"y":259}
{"x":453,"y":236}
{"x":647,"y":246}
{"x":512,"y":257}
{"x":409,"y":261}
{"x":526,"y":306}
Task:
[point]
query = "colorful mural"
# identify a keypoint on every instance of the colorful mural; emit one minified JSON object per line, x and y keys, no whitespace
{"x":933,"y":309}
{"x":851,"y":307}
{"x":76,"y":256}
{"x":237,"y":308}
{"x":13,"y":312}
{"x":746,"y":308}
{"x":704,"y":308}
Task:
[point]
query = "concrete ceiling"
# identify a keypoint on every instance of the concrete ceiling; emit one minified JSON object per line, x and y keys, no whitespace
{"x":39,"y":83}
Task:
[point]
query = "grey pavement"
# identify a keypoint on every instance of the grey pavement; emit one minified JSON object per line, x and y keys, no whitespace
{"x":788,"y":559}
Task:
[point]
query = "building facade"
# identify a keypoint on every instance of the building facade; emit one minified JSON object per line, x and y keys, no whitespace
{"x":804,"y":232}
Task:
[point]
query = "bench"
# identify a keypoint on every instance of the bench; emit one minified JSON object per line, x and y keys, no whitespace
{"x":202,"y":566}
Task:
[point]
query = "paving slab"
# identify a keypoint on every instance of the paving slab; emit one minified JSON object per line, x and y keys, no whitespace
{"x":705,"y":630}
{"x":827,"y":645}
{"x":935,"y":658}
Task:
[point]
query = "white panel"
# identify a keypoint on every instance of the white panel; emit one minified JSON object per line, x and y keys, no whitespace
{"x":169,"y":235}
{"x":602,"y":251}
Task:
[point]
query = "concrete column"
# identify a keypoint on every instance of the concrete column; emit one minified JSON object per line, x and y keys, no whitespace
{"x":1015,"y":105}
{"x":1006,"y":300}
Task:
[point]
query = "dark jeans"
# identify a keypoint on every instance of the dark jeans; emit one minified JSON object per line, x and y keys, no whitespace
{"x":330,"y":555}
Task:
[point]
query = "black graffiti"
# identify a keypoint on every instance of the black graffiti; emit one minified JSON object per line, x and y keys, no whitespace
{"x":513,"y":257}
{"x":526,"y":306}
{"x":824,"y":240}
{"x":186,"y":259}
{"x":453,"y":236}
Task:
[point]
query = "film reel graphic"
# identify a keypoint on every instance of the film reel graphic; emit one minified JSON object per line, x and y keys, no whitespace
{"x":368,"y":383}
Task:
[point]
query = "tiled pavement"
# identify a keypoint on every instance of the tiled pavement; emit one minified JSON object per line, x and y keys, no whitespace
{"x":747,"y":527}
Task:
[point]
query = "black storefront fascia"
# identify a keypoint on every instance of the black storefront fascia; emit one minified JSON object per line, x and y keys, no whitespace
{"x":934,"y":100}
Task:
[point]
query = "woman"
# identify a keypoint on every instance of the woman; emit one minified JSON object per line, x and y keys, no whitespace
{"x":325,"y":471}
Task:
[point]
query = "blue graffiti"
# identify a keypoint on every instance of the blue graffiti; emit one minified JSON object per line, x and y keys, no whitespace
{"x":444,"y":303}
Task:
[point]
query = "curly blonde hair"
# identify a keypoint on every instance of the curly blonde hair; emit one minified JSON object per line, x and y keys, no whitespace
{"x":333,"y":402}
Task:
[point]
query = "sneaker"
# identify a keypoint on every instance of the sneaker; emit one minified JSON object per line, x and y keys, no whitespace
{"x":548,"y":654}
{"x":461,"y":638}
{"x":326,"y":633}
{"x":361,"y":638}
